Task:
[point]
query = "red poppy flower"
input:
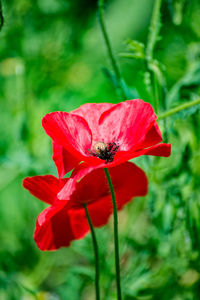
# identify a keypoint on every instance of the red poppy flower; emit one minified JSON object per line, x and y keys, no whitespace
{"x":65,"y":220}
{"x":104,"y":135}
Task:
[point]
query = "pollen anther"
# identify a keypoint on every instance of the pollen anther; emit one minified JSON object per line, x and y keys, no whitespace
{"x":105,"y":151}
{"x":100,"y":146}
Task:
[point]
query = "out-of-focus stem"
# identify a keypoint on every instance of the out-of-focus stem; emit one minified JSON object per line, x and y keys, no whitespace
{"x":109,"y":49}
{"x":154,"y":29}
{"x":156,"y":93}
{"x":151,"y":42}
{"x":178,"y":108}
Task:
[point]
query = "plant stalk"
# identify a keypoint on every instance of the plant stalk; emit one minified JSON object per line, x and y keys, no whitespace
{"x":109,"y":49}
{"x":154,"y":30}
{"x":96,"y":253}
{"x":177,"y":109}
{"x":117,"y":264}
{"x":151,"y":42}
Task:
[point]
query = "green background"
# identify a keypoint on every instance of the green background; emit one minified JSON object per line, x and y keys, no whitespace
{"x":53,"y":57}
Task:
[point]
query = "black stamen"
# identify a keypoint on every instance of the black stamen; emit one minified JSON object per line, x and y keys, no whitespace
{"x":106,"y":153}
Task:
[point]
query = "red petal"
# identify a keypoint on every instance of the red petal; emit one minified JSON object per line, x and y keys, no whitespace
{"x":44,"y":187}
{"x":70,"y":131}
{"x":79,"y":222}
{"x":152,"y":137}
{"x":63,"y":159}
{"x":91,"y":112}
{"x":159,"y":150}
{"x":156,"y":150}
{"x":127,"y":123}
{"x":53,"y":228}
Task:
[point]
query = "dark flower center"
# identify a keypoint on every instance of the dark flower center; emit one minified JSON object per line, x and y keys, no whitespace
{"x":105,"y":151}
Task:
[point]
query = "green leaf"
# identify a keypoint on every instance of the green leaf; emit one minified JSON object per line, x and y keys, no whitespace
{"x":83,"y":270}
{"x":135,"y":50}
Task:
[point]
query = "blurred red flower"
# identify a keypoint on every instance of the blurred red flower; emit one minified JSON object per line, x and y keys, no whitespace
{"x":65,"y":220}
{"x":104,"y":135}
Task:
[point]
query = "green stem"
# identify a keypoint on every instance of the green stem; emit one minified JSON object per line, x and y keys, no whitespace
{"x":96,"y":252}
{"x":151,"y":42}
{"x":156,"y":93}
{"x":117,"y":265}
{"x":178,"y":108}
{"x":109,"y":49}
{"x":154,"y":30}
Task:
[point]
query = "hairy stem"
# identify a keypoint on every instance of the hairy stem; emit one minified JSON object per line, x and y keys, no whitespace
{"x":156,"y":93}
{"x":151,"y":42}
{"x":96,"y":252}
{"x":109,"y":49}
{"x":117,"y":264}
{"x":178,"y":108}
{"x":154,"y":30}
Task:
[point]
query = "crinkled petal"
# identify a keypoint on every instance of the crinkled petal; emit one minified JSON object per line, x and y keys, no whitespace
{"x":63,"y":159}
{"x":91,"y":112}
{"x":44,"y":187}
{"x":70,"y":131}
{"x":127,"y":123}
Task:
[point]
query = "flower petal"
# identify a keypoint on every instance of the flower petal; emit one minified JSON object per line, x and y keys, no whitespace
{"x":163,"y":150}
{"x":57,"y":226}
{"x":79,"y":222}
{"x":44,"y":187}
{"x":53,"y":229}
{"x":127,"y":123}
{"x":63,"y":159}
{"x":152,"y":137}
{"x":91,"y":112}
{"x":159,"y":150}
{"x":156,"y":150}
{"x":70,"y":131}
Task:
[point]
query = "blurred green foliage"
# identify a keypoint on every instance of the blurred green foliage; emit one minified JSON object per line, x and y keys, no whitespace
{"x":53,"y":57}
